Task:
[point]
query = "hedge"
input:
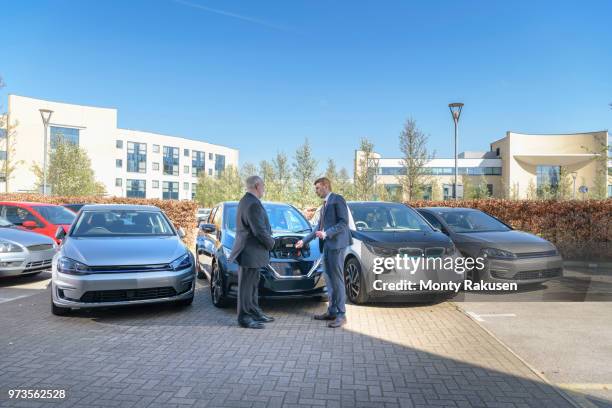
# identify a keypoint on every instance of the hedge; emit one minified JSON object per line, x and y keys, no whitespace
{"x":580,"y":229}
{"x":181,"y":213}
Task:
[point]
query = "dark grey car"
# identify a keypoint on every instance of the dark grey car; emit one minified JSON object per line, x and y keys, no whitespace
{"x":511,"y":256}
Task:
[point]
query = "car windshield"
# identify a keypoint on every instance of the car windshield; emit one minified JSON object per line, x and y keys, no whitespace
{"x":471,"y":221}
{"x":386,"y":217}
{"x":283,"y":218}
{"x":118,"y":223}
{"x":55,"y":214}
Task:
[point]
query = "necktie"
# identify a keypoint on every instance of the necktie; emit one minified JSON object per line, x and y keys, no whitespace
{"x":322,"y":215}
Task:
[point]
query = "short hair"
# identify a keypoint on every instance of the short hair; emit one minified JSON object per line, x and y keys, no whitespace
{"x":253,"y":181}
{"x":323,"y":180}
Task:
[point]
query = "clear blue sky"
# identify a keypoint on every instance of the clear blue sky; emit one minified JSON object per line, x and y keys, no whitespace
{"x":263,"y":75}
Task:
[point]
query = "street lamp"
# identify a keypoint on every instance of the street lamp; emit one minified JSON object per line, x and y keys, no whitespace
{"x":45,"y":114}
{"x":574,"y":175}
{"x":455,"y":110}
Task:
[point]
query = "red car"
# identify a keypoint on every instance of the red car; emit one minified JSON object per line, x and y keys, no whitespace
{"x":37,"y":217}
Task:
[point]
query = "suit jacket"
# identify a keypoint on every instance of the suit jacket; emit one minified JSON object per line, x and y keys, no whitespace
{"x":334,"y":222}
{"x":254,"y":240}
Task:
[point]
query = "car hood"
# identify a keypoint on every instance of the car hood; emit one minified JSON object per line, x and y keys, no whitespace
{"x":418,"y":239}
{"x":118,"y":251}
{"x":24,"y":237}
{"x":514,"y":241}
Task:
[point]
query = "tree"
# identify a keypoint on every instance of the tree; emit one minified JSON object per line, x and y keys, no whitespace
{"x":436,"y":190}
{"x":366,"y":168}
{"x":330,"y":172}
{"x":282,"y":176}
{"x":247,"y":170}
{"x":600,"y":183}
{"x":206,"y":194}
{"x":344,"y":186}
{"x":413,"y":145}
{"x":69,"y":172}
{"x":228,"y":186}
{"x":266,"y":172}
{"x":304,"y":167}
{"x":8,"y":140}
{"x":474,"y":189}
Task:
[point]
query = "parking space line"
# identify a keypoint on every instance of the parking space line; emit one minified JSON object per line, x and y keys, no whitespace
{"x":479,"y":317}
{"x":587,"y":386}
{"x":4,"y":300}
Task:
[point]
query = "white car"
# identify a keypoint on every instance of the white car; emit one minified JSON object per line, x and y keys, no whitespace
{"x":23,"y":252}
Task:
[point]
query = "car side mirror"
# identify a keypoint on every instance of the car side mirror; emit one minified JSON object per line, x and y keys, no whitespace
{"x":208,"y":228}
{"x":60,"y":234}
{"x":181,"y":232}
{"x":29,"y":224}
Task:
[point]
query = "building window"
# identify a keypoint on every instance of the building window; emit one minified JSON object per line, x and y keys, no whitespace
{"x":2,"y":154}
{"x":497,"y":151}
{"x":447,"y":191}
{"x":197,"y":162}
{"x":610,"y":190}
{"x":155,"y":166}
{"x":490,"y":189}
{"x":155,"y":183}
{"x":444,"y":171}
{"x":118,"y":163}
{"x":186,"y":169}
{"x":137,"y":157}
{"x":64,"y":134}
{"x":155,"y":148}
{"x":119,"y":144}
{"x":136,"y":188}
{"x":186,"y":186}
{"x":170,"y":190}
{"x":547,"y":178}
{"x":118,"y":182}
{"x":210,"y":172}
{"x":194,"y":186}
{"x":186,"y":152}
{"x":171,"y":161}
{"x":210,"y":156}
{"x":219,"y":163}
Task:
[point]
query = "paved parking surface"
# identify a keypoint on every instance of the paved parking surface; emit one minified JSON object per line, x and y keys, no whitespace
{"x":387,"y":356}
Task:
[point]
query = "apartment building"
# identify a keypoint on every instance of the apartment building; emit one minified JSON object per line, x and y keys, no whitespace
{"x":516,"y":166}
{"x":130,"y":163}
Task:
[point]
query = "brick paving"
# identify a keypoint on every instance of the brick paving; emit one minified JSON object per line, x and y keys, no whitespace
{"x":163,"y":356}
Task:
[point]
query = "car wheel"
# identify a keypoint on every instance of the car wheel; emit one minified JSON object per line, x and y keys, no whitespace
{"x":217,"y":288}
{"x":59,"y":311}
{"x":354,"y":283}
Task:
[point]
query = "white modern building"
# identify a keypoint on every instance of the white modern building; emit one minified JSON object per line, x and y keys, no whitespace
{"x":130,"y":163}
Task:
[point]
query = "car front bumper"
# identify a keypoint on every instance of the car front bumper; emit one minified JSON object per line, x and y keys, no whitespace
{"x":26,"y":262}
{"x":523,"y":271}
{"x":120,"y":289}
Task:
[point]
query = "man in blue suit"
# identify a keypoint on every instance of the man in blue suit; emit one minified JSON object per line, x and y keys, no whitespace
{"x":334,"y":235}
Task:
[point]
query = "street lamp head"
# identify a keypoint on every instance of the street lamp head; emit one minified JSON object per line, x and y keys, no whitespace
{"x":455,"y":109}
{"x":45,"y":114}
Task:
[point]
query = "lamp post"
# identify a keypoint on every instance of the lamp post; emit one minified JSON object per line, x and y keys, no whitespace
{"x":455,"y":110}
{"x":574,"y":175}
{"x":375,"y":161}
{"x":45,"y":114}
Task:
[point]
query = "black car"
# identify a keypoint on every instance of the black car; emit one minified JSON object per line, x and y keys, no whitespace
{"x":291,"y":273}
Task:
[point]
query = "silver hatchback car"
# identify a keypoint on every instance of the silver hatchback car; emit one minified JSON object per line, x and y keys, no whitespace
{"x":117,"y":255}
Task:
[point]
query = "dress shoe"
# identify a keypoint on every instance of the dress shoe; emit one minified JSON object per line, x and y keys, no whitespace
{"x":324,"y":316}
{"x":338,"y":322}
{"x":263,"y":318}
{"x":251,"y":324}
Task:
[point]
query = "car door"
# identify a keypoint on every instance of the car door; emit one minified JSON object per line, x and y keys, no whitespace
{"x":18,"y":215}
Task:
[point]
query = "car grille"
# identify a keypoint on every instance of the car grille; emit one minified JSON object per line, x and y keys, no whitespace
{"x":529,"y":275}
{"x":39,"y":264}
{"x":101,"y":296}
{"x":41,"y":247}
{"x":539,"y":254}
{"x":288,"y":269}
{"x":130,"y":268}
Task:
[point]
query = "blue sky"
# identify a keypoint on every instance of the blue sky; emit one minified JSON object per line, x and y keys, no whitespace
{"x":262,"y":76}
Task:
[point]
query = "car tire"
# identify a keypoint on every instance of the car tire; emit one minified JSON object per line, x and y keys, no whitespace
{"x":354,"y":282}
{"x":200,"y":272}
{"x":217,"y":288}
{"x":58,"y":310}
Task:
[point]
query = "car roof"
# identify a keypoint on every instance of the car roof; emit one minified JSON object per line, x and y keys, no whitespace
{"x":27,"y":203}
{"x":263,"y":202}
{"x":122,"y":207}
{"x":374,"y":202}
{"x":448,"y":209}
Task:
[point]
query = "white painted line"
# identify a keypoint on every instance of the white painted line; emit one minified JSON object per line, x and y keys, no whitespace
{"x":475,"y":316}
{"x":4,"y":300}
{"x":479,"y":317}
{"x":587,"y":386}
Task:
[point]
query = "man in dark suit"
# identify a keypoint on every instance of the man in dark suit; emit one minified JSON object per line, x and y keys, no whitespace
{"x":251,"y":251}
{"x":334,"y":234}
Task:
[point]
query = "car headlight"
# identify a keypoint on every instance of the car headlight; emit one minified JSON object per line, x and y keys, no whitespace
{"x":380,"y":251}
{"x":181,"y":263}
{"x":226,"y":251}
{"x":497,"y":253}
{"x":6,"y":247}
{"x":72,"y":267}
